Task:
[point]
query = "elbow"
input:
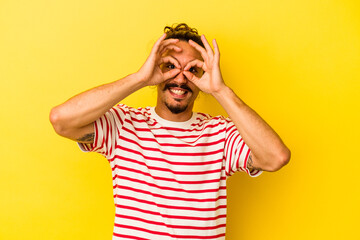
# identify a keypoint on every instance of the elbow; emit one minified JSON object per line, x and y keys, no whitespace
{"x":281,"y":159}
{"x":56,"y":121}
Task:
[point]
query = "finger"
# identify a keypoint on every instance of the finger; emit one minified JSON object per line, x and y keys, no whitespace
{"x":169,"y":59}
{"x":207,"y":45}
{"x":171,"y":74}
{"x":160,"y":39}
{"x":195,"y":63}
{"x":191,"y":77}
{"x":200,"y":49}
{"x":171,"y":47}
{"x":158,"y":42}
{"x":166,"y":43}
{"x":216,"y":49}
{"x":188,"y":75}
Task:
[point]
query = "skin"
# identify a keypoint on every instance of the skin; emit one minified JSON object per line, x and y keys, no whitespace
{"x":187,"y":68}
{"x":182,"y":92}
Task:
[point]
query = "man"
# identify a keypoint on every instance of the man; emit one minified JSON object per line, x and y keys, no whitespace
{"x":170,"y":164}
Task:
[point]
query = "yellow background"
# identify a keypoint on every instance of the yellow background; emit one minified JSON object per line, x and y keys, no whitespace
{"x":297,"y":63}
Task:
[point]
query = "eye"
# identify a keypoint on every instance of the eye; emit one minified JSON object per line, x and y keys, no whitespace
{"x":170,"y":66}
{"x":193,"y":70}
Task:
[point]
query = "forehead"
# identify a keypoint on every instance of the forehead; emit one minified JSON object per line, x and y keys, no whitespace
{"x":187,"y":54}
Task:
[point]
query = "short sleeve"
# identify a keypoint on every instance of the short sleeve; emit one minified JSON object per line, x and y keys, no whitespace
{"x":107,"y":129}
{"x":236,"y":152}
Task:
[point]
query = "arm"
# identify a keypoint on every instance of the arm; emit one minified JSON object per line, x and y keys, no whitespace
{"x":75,"y":118}
{"x":268,"y":152}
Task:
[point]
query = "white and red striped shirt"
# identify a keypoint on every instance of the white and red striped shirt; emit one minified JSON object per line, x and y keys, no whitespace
{"x":169,"y":178}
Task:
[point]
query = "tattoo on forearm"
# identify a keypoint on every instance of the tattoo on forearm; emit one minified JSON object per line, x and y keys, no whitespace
{"x":250,"y":162}
{"x":87,"y":138}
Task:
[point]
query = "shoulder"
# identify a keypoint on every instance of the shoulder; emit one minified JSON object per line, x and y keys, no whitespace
{"x":131,"y":111}
{"x":131,"y":115}
{"x":206,"y":120}
{"x":204,"y":117}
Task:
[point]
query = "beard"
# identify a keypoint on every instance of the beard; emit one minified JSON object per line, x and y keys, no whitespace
{"x":177,"y":108}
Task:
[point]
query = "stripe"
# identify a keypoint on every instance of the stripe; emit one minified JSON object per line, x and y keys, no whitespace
{"x":192,"y":129}
{"x":240,"y":151}
{"x":231,"y":142}
{"x":167,"y":179}
{"x":167,"y":188}
{"x":245,"y":162}
{"x":187,"y":227}
{"x":170,"y":170}
{"x":103,"y":137}
{"x":173,"y":144}
{"x":170,"y":206}
{"x":194,"y":153}
{"x":201,"y":163}
{"x":170,"y":216}
{"x":168,"y":234}
{"x":169,"y":135}
{"x":170,"y":197}
{"x":167,"y":206}
{"x":109,"y":135}
{"x":118,"y":116}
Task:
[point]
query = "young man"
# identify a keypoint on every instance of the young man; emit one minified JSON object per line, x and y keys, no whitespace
{"x":169,"y":163}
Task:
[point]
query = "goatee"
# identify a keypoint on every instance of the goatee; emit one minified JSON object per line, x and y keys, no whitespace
{"x":176,"y":109}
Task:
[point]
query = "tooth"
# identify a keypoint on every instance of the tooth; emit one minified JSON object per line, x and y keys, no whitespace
{"x":178,"y":92}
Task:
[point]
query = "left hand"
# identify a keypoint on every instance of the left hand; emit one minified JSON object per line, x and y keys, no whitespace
{"x":211,"y":81}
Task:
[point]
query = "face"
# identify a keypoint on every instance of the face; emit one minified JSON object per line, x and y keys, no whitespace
{"x":178,"y":94}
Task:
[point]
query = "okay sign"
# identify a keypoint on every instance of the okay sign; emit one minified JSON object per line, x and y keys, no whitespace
{"x":211,"y":81}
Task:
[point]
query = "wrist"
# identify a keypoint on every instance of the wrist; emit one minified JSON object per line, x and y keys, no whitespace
{"x":221,"y":92}
{"x":140,"y":80}
{"x":227,"y":98}
{"x":131,"y":82}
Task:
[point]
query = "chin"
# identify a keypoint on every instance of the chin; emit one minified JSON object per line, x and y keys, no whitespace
{"x":176,"y":109}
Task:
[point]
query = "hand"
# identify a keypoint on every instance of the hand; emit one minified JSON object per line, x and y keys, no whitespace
{"x":151,"y":72}
{"x":211,"y":81}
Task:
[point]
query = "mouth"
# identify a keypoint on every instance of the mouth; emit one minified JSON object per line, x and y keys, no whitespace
{"x":178,"y":92}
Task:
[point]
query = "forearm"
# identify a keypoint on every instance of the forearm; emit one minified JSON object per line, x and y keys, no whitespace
{"x":268,"y":152}
{"x":74,"y":119}
{"x":265,"y":144}
{"x":86,"y":107}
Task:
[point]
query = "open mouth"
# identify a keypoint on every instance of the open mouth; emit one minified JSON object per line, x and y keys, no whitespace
{"x":178,"y":94}
{"x":177,"y":91}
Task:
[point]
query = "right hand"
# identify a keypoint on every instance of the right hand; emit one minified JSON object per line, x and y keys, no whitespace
{"x":151,"y":72}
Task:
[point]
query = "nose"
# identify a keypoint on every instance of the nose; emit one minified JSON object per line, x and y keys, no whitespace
{"x":180,"y":78}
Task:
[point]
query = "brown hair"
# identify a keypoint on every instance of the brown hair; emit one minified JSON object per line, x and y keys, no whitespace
{"x":183,"y":32}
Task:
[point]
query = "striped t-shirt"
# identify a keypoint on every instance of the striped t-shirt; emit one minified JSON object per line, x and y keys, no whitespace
{"x":169,"y":178}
